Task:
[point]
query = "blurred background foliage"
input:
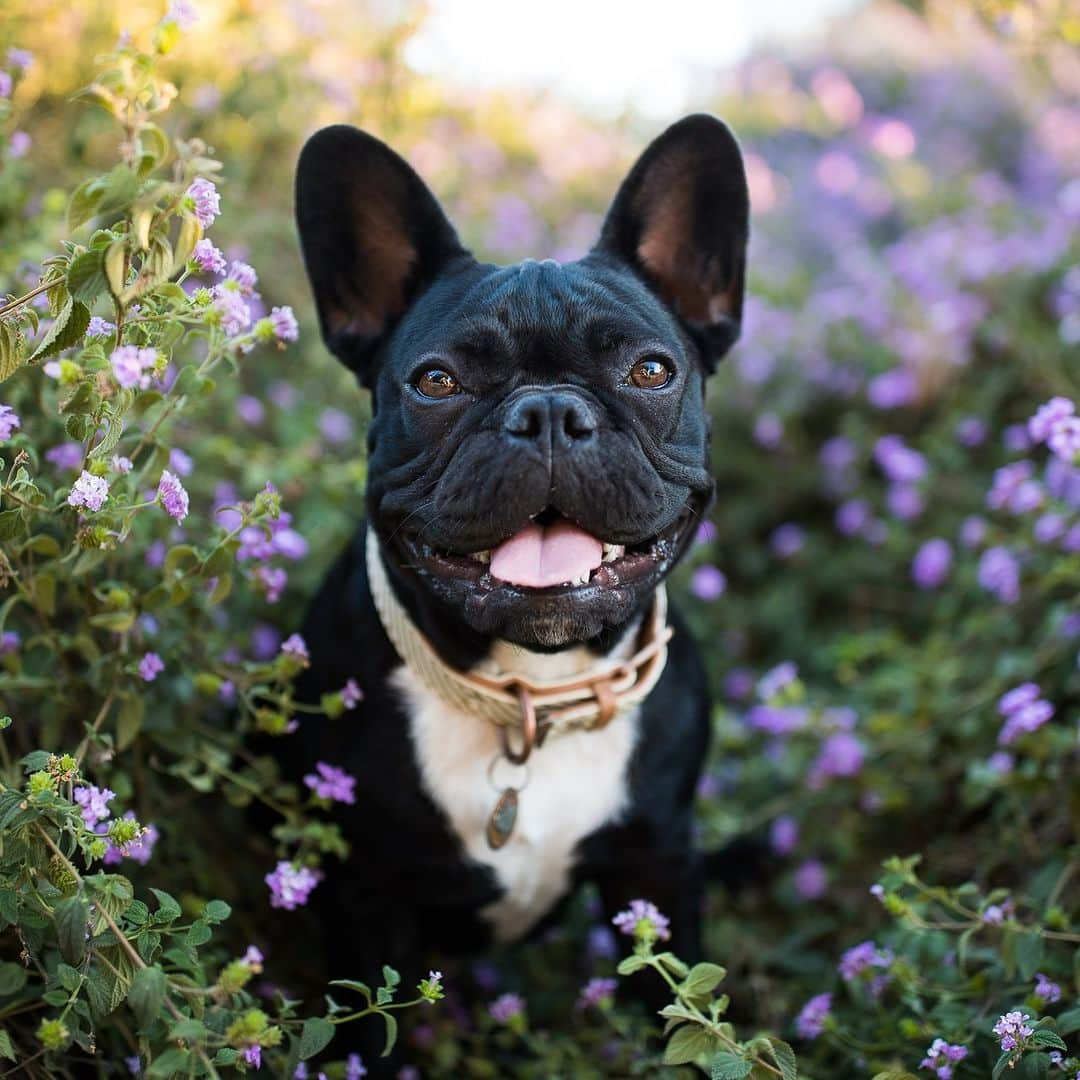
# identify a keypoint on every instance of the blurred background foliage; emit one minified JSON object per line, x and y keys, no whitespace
{"x":915,"y":180}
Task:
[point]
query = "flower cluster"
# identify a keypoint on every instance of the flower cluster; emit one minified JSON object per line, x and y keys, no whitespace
{"x":643,"y":921}
{"x":941,"y":1057}
{"x":291,"y":885}
{"x":1024,"y":711}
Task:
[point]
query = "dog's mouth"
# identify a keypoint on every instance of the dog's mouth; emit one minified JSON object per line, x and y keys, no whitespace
{"x":552,"y":555}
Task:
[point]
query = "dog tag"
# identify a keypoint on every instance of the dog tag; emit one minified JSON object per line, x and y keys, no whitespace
{"x":503,"y":818}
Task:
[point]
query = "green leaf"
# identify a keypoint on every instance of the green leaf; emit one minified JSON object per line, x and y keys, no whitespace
{"x":84,"y":202}
{"x":35,"y":761}
{"x":784,"y":1057}
{"x":129,"y":722}
{"x":1046,"y":1037}
{"x":628,"y":965}
{"x":12,"y":348}
{"x":171,"y":1064}
{"x":187,"y":1029}
{"x":895,"y":1074}
{"x":729,"y":1066}
{"x":199,"y":934}
{"x":6,"y":1049}
{"x":1029,"y":953}
{"x":702,"y":979}
{"x":673,"y":964}
{"x":226,"y":1056}
{"x":391,"y":1032}
{"x":12,"y":978}
{"x":168,"y":908}
{"x":316,"y":1034}
{"x":1069,"y":1021}
{"x":216,"y":911}
{"x":71,"y":917}
{"x":69,"y":327}
{"x":152,"y":147}
{"x":86,"y":277}
{"x":1002,"y":1064}
{"x":114,"y":621}
{"x":1035,"y":1067}
{"x":687,"y":1044}
{"x":390,"y":977}
{"x":69,"y":978}
{"x":147,"y":994}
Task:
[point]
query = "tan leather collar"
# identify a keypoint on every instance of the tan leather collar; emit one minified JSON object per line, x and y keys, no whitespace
{"x":589,"y":701}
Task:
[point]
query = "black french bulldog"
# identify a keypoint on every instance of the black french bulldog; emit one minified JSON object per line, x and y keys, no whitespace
{"x":537,"y":466}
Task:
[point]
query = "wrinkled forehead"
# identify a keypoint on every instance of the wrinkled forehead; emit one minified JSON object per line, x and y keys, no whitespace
{"x":536,"y":310}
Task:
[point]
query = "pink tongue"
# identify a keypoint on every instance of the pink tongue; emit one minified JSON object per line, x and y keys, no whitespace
{"x":546,"y":555}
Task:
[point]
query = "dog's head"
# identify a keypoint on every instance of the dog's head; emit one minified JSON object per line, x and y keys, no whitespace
{"x":538,"y":451}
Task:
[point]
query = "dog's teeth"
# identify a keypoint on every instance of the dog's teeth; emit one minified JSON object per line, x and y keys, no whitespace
{"x":613,"y":552}
{"x":482,"y":556}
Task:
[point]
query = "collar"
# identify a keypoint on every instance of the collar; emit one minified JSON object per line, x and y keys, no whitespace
{"x":589,"y":701}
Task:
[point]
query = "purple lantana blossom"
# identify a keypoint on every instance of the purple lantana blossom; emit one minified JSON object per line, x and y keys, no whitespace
{"x":596,"y":993}
{"x":1064,"y":438}
{"x":291,"y":885}
{"x":1012,"y":1029}
{"x":505,"y":1007}
{"x":93,"y":801}
{"x":172,"y":496}
{"x":151,"y":666}
{"x":203,"y":200}
{"x":132,"y":366}
{"x":89,"y":491}
{"x":9,"y":421}
{"x":1046,"y":990}
{"x":351,"y":694}
{"x":708,"y":582}
{"x":330,"y":782}
{"x":208,"y":258}
{"x":999,"y":573}
{"x":1046,"y":416}
{"x":643,"y":920}
{"x":940,"y":1058}
{"x":810,"y":1022}
{"x":898,"y":461}
{"x":932,"y":563}
{"x":284,"y":323}
{"x":295,"y":646}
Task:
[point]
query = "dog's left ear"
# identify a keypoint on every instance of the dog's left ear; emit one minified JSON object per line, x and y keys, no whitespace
{"x":681,"y":220}
{"x":373,"y":237}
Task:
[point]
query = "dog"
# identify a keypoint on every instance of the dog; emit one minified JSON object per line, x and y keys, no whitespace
{"x":534,"y":714}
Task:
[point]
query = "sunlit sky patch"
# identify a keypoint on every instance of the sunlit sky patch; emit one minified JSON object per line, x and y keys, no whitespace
{"x":653,"y":55}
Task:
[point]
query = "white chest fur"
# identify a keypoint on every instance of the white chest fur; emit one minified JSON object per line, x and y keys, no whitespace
{"x":577,"y":782}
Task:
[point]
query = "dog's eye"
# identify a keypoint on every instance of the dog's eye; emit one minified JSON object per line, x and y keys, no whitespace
{"x":437,"y":383}
{"x":650,"y":374}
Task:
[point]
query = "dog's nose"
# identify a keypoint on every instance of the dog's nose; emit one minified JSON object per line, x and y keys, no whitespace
{"x":559,"y":417}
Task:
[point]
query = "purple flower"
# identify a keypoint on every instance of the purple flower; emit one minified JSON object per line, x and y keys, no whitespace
{"x":122,"y":465}
{"x":232,"y":309}
{"x":1014,"y":489}
{"x":6,"y":84}
{"x":842,"y":754}
{"x":892,"y":389}
{"x":810,"y":1022}
{"x":336,"y":426}
{"x":972,"y":531}
{"x":1012,"y":1029}
{"x":1024,"y":720}
{"x":151,"y":666}
{"x":134,"y":1064}
{"x":784,"y":835}
{"x":776,"y":720}
{"x":899,"y":462}
{"x":940,"y":1058}
{"x":999,"y":573}
{"x":768,"y":431}
{"x":8,"y":422}
{"x":354,"y":1067}
{"x":253,"y":1054}
{"x":1000,"y":763}
{"x":330,"y":782}
{"x":738,"y":684}
{"x":505,"y":1007}
{"x":852,"y":516}
{"x":284,"y":324}
{"x":787,"y":540}
{"x":642,"y":919}
{"x":93,"y":801}
{"x":242,"y":278}
{"x":295,"y":646}
{"x":67,"y":455}
{"x":250,"y":409}
{"x":290,"y":885}
{"x":133,"y":366}
{"x":1046,"y":416}
{"x":971,"y":432}
{"x":1048,"y":991}
{"x":1064,"y":438}
{"x":708,"y":582}
{"x":596,"y":993}
{"x":993,"y":915}
{"x":351,"y":694}
{"x":19,"y":144}
{"x":1048,"y":528}
{"x":140,"y":849}
{"x":20,"y":59}
{"x":811,"y":880}
{"x":253,"y":957}
{"x":1015,"y":439}
{"x":931,"y":564}
{"x":99,"y":327}
{"x":89,"y":491}
{"x":208,"y":258}
{"x":9,"y":641}
{"x":776,"y":679}
{"x":181,"y":462}
{"x":862,"y":958}
{"x":905,"y":501}
{"x":172,"y":496}
{"x":203,"y":200}
{"x":1017,"y":698}
{"x":837,"y":454}
{"x":600,"y":943}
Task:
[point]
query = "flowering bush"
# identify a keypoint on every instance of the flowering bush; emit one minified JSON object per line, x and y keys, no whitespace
{"x":886,"y":594}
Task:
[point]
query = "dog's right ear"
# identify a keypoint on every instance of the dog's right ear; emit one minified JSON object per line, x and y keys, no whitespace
{"x":373,"y":236}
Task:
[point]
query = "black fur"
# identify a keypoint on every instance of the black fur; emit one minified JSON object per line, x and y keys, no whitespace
{"x":547,"y":421}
